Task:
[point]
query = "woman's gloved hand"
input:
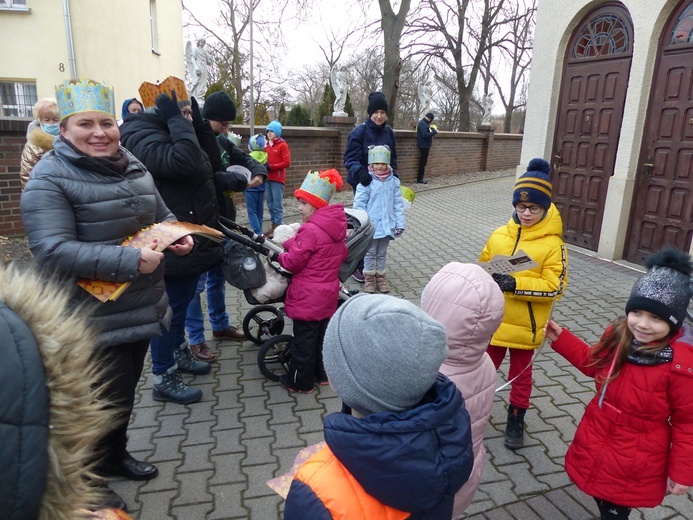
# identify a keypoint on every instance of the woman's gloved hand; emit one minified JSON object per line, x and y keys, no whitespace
{"x":168,"y":106}
{"x":506,"y":282}
{"x":365,"y":178}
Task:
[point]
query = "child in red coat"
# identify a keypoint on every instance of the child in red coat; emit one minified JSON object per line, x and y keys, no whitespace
{"x":314,"y":256}
{"x":635,"y":440}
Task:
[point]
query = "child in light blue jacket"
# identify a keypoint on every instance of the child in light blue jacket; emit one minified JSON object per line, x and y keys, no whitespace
{"x":382,"y":200}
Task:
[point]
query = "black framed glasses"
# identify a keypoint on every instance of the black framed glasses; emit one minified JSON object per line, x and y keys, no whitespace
{"x":521,"y":208}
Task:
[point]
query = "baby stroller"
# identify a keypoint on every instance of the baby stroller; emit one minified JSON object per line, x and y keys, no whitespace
{"x":264,"y":323}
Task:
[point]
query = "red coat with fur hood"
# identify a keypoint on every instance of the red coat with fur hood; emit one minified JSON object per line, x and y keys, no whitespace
{"x":642,"y":434}
{"x":314,"y":256}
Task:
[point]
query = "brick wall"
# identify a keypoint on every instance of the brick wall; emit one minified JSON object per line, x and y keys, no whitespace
{"x":12,"y":139}
{"x":311,"y":149}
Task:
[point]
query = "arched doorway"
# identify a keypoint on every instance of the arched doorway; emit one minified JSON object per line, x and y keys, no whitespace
{"x":662,"y":210}
{"x":593,"y":93}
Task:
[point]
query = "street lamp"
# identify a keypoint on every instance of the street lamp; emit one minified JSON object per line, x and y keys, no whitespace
{"x":252,"y":100}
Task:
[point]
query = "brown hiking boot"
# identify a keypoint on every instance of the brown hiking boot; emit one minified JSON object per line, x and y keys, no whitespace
{"x":381,"y":282}
{"x":369,"y":285}
{"x":270,"y":232}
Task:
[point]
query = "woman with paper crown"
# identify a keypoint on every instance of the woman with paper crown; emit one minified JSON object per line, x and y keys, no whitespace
{"x":536,"y":228}
{"x":314,"y":256}
{"x":180,"y":150}
{"x":81,"y":201}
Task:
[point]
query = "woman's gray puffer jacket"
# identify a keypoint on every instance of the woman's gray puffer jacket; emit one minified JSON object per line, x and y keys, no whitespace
{"x":75,"y":219}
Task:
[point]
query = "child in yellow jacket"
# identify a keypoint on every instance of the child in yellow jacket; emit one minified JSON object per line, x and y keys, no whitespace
{"x":536,"y":228}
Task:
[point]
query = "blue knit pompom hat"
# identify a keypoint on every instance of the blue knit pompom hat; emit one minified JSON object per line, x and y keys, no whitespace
{"x":534,"y":186}
{"x":276,"y":127}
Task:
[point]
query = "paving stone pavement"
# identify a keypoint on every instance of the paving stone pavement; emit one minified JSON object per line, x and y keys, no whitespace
{"x":215,"y":456}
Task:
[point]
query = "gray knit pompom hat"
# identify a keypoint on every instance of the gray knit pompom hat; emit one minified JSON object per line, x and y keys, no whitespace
{"x":664,"y":290}
{"x":382,"y":353}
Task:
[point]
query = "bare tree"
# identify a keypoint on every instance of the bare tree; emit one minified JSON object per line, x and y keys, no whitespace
{"x":457,"y":34}
{"x":392,"y":25}
{"x":516,"y":56}
{"x":308,"y":85}
{"x":364,"y":71}
{"x":447,"y":101}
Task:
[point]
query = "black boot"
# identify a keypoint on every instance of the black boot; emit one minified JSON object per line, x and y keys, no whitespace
{"x":515,"y":429}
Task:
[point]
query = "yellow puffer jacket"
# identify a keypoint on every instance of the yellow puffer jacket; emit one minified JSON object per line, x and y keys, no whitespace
{"x":528,"y":309}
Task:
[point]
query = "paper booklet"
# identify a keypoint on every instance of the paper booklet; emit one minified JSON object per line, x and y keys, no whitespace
{"x":165,"y":233}
{"x":520,"y":261}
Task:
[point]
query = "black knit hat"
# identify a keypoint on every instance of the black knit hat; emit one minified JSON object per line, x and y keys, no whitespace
{"x":376,"y":101}
{"x":664,"y":290}
{"x":219,"y":107}
{"x":430,"y":116}
{"x":535,"y":185}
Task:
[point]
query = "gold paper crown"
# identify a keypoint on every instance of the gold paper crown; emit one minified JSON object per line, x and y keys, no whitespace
{"x":83,"y":95}
{"x":150,"y":91}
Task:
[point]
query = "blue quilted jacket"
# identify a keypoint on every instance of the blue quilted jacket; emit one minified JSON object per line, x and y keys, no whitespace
{"x":413,"y":461}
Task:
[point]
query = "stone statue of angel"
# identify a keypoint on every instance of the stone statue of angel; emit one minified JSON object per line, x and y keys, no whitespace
{"x":425,"y":95}
{"x":338,"y":79}
{"x":197,"y":61}
{"x":487,"y":106}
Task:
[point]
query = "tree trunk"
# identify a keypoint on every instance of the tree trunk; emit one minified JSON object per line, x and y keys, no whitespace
{"x":392,"y":25}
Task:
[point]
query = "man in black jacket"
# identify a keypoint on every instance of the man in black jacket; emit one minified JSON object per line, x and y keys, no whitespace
{"x":424,"y":140}
{"x":220,"y":110}
{"x":179,"y":149}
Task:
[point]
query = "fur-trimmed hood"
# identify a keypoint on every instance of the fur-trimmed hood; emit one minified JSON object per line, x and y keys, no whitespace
{"x":51,"y":411}
{"x":38,"y":137}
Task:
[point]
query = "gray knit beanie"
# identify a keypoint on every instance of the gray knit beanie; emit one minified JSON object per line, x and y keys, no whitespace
{"x":382,"y":353}
{"x":664,"y":290}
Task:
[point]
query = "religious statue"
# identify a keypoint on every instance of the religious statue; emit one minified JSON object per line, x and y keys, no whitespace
{"x":197,"y":60}
{"x":425,"y":90}
{"x":487,"y":106}
{"x":339,"y":86}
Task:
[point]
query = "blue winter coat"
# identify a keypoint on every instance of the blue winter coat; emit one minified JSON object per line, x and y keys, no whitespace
{"x":414,"y":461}
{"x":424,"y":134}
{"x":382,"y":200}
{"x":360,"y":138}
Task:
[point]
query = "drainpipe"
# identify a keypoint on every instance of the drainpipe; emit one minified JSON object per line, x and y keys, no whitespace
{"x":68,"y":34}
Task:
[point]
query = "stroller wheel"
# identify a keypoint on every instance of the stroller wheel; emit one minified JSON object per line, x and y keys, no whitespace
{"x":274,"y":357}
{"x":262,"y":323}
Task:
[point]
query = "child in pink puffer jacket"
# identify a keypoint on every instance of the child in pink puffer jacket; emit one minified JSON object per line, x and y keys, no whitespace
{"x":469,"y":304}
{"x":314,"y":256}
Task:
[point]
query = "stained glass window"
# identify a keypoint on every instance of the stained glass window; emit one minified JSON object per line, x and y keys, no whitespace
{"x":604,"y":35}
{"x":683,"y":31}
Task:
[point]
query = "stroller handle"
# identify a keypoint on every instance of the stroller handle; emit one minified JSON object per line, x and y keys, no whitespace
{"x":254,"y":242}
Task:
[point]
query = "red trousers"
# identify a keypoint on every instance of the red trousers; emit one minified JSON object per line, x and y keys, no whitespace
{"x":520,"y":388}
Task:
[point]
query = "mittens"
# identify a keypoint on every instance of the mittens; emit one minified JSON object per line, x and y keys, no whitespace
{"x":506,"y":282}
{"x":197,"y":115}
{"x":398,"y":232}
{"x":168,"y":106}
{"x":365,"y":178}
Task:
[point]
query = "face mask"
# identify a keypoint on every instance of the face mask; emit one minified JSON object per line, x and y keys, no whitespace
{"x":52,"y":129}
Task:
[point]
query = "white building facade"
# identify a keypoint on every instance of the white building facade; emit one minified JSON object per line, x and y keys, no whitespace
{"x":119,"y":42}
{"x":611,"y":107}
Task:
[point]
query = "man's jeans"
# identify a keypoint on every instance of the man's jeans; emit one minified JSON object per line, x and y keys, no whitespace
{"x":215,"y":283}
{"x":180,"y":292}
